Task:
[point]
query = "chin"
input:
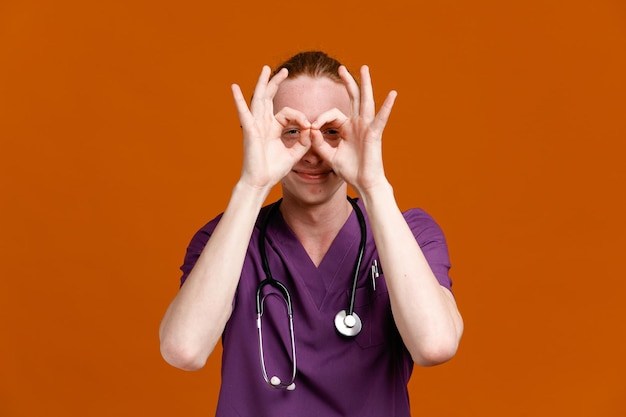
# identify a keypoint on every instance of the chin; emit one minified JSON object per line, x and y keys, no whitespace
{"x":313,"y":195}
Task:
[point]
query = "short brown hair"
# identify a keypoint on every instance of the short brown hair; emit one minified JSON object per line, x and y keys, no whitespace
{"x":311,"y":63}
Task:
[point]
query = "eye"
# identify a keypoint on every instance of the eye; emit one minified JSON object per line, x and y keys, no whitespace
{"x":331,"y":134}
{"x":291,"y":133}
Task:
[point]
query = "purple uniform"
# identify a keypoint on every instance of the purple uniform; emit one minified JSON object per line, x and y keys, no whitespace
{"x":336,"y":376}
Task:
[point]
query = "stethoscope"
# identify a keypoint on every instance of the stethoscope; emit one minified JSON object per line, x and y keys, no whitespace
{"x":347,"y":322}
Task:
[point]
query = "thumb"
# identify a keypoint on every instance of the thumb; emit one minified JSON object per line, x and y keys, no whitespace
{"x":302,"y":146}
{"x":323,"y":149}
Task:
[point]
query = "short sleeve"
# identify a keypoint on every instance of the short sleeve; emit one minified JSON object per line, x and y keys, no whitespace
{"x":196,"y":246}
{"x":432,"y":241}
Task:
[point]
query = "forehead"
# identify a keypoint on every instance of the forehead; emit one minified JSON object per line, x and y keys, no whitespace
{"x":312,"y":96}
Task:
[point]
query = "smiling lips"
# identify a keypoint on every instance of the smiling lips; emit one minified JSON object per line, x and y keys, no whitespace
{"x":313,"y":175}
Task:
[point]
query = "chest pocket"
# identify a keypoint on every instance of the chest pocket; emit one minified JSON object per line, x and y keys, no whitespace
{"x":374,"y":309}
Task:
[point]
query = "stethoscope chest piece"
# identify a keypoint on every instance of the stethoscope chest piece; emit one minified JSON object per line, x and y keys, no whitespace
{"x":348,"y":325}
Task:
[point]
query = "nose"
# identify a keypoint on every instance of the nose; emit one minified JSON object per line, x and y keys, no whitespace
{"x":311,"y":157}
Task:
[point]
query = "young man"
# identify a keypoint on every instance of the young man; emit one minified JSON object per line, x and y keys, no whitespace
{"x":368,"y":286}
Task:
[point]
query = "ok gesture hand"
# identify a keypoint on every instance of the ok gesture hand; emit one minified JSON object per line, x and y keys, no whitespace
{"x":356,"y":155}
{"x":266,"y":158}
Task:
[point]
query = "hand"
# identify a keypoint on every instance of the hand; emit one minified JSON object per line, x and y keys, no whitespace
{"x":266,"y":157}
{"x":352,"y":145}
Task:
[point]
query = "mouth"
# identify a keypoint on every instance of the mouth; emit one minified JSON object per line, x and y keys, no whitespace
{"x":313,"y":175}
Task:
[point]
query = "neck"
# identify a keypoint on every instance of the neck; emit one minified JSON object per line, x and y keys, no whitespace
{"x":316,"y":225}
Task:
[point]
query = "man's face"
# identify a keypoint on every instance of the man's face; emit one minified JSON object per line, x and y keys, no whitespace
{"x":311,"y":179}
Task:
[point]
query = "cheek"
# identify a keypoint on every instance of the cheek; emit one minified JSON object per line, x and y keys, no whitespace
{"x":333,"y":141}
{"x":289,"y":141}
{"x":288,"y":179}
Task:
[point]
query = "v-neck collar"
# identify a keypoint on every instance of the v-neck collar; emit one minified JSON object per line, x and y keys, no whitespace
{"x":336,"y":269}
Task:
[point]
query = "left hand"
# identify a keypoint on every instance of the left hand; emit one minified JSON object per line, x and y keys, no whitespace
{"x":352,"y":144}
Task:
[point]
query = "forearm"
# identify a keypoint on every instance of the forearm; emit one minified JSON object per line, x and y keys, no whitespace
{"x":425,"y":313}
{"x":195,"y":320}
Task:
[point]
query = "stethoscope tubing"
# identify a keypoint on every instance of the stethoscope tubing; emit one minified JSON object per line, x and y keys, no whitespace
{"x":341,"y":324}
{"x":269,"y":280}
{"x":359,"y":259}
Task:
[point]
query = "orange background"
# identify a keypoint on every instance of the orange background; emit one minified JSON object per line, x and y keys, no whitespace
{"x":119,"y":139}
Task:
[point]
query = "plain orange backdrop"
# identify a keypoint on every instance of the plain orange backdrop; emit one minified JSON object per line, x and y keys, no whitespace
{"x":119,"y":139}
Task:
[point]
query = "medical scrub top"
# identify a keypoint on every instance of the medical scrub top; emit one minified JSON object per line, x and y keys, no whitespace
{"x":363,"y":376}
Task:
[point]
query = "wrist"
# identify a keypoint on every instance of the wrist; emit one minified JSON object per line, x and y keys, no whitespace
{"x":380,"y":189}
{"x":251,"y":191}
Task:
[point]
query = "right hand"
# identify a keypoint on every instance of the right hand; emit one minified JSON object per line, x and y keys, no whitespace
{"x":267,"y":159}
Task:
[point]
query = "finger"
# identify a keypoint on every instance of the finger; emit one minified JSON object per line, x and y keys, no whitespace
{"x":274,"y":83}
{"x":368,"y":108}
{"x":258,"y":97}
{"x":382,"y":117}
{"x":323,"y":149}
{"x":353,"y":89}
{"x":297,"y":148}
{"x":332,"y":117}
{"x":287,"y":116}
{"x":240,"y":104}
{"x":301,"y":147}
